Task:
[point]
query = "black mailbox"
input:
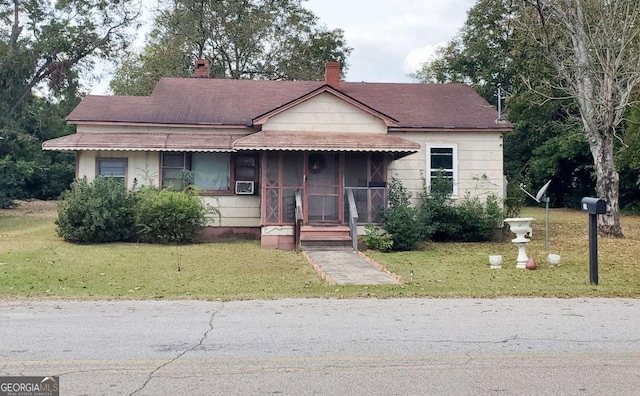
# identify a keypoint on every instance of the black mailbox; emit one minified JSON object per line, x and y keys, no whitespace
{"x":594,"y":205}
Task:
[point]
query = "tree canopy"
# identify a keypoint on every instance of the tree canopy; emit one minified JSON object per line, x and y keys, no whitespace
{"x":53,"y":41}
{"x":480,"y":53}
{"x":570,"y":67}
{"x":594,"y":47}
{"x":45,"y":46}
{"x":242,"y":39}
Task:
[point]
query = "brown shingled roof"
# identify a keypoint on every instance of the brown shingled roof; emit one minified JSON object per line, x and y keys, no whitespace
{"x":237,"y":102}
{"x":427,"y":105}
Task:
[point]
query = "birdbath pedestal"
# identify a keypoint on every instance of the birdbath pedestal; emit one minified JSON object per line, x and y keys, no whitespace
{"x":520,"y":226}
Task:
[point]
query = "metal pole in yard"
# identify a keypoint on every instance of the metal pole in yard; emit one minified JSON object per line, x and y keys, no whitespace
{"x":546,"y":226}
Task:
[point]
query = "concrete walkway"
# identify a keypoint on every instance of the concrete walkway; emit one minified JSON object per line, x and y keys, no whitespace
{"x":347,"y":267}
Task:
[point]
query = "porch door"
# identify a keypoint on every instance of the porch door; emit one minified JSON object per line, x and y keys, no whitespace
{"x":323,"y":193}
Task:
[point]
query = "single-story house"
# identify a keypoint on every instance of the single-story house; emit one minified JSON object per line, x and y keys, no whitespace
{"x":258,"y":149}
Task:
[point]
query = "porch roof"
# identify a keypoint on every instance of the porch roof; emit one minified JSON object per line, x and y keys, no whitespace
{"x":264,"y":140}
{"x":325,"y":141}
{"x":142,"y":142}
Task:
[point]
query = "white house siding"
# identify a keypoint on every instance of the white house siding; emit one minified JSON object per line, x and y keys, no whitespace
{"x":142,"y":166}
{"x":235,"y":210}
{"x":479,"y":161}
{"x":325,"y":113}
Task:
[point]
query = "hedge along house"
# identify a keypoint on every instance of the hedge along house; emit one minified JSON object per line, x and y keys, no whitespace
{"x":282,"y":159}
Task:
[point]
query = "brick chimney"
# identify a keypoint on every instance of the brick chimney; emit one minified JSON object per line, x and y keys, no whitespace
{"x":332,"y":74}
{"x":201,"y":68}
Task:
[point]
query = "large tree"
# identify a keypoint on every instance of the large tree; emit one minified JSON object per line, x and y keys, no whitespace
{"x":44,"y":48}
{"x":589,"y":66}
{"x":53,"y":41}
{"x":489,"y":52}
{"x":242,"y":39}
{"x":594,"y":46}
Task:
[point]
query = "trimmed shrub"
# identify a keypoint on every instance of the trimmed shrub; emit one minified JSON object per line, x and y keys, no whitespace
{"x":101,"y":211}
{"x":399,"y":219}
{"x":436,"y":215}
{"x":164,"y":216}
{"x":377,"y":238}
{"x":478,"y":221}
{"x":468,"y":220}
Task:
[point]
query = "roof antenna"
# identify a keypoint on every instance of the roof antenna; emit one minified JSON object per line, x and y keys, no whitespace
{"x":499,"y":119}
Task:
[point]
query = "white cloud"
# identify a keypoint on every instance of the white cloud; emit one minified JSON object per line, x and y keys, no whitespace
{"x":391,"y":39}
{"x":417,"y":56}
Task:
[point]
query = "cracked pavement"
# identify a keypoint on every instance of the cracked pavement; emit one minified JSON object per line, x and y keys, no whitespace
{"x":204,"y":337}
{"x":314,"y":346}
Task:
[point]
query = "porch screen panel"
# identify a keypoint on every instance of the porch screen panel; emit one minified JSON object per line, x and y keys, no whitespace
{"x":272,"y":192}
{"x":355,"y":171}
{"x":360,"y":196}
{"x":273,"y":169}
{"x":365,"y":176}
{"x":378,"y":197}
{"x":325,"y":207}
{"x":323,"y":188}
{"x":272,"y":207}
{"x":284,"y":175}
{"x":289,"y":205}
{"x":292,"y":169}
{"x":377,"y":167}
{"x":292,"y":180}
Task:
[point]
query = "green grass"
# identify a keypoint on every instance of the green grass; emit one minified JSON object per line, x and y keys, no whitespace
{"x":35,"y":263}
{"x":461,"y":269}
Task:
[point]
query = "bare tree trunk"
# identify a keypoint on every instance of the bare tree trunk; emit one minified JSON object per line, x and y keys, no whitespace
{"x":595,"y":48}
{"x":607,"y":183}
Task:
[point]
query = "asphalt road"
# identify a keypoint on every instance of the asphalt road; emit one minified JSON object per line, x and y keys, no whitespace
{"x":327,"y":347}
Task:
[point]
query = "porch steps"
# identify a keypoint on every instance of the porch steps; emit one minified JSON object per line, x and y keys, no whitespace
{"x":325,"y":238}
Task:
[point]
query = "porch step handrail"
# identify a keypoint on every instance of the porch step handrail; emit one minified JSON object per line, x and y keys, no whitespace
{"x":353,"y":219}
{"x":299,"y":217}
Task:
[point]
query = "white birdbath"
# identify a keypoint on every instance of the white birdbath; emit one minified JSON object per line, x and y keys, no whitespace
{"x":520,"y":226}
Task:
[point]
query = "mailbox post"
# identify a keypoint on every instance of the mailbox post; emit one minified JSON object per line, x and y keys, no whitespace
{"x":594,"y":207}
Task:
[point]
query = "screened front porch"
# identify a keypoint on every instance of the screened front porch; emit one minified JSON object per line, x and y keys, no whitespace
{"x":323,"y":179}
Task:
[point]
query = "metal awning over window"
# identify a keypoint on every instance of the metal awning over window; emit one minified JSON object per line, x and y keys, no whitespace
{"x":143,"y":142}
{"x":326,"y":141}
{"x":208,"y":142}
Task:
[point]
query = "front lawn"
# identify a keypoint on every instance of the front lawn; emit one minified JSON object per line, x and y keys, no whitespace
{"x":35,"y":263}
{"x":461,"y":269}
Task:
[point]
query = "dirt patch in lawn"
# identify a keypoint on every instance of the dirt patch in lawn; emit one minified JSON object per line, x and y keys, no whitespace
{"x":32,"y":207}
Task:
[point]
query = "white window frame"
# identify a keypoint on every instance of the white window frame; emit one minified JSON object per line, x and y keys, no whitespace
{"x":454,"y":148}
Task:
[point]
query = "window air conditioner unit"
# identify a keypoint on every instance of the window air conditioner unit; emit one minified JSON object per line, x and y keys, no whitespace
{"x":244,"y":187}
